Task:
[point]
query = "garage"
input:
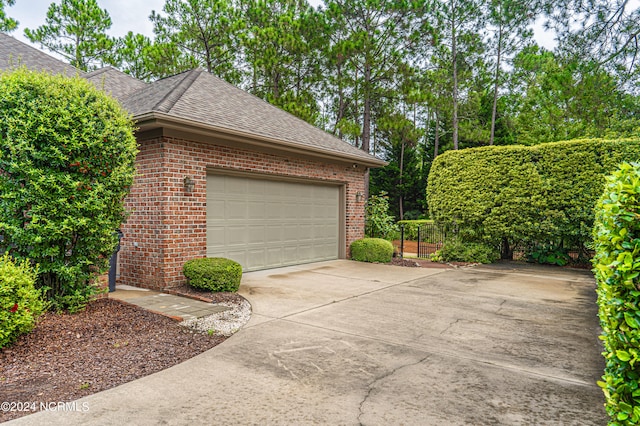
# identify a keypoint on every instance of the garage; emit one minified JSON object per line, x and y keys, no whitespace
{"x":266,"y":223}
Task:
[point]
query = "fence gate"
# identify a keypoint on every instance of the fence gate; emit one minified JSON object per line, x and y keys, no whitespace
{"x":423,"y":242}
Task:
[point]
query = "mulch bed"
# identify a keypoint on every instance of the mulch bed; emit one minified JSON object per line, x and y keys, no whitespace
{"x":67,"y":356}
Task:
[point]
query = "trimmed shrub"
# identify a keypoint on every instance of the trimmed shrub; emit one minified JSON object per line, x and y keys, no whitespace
{"x":20,"y":301}
{"x":372,"y":250}
{"x":213,"y":274}
{"x":617,"y":270}
{"x":455,"y":250}
{"x":516,"y":196}
{"x":67,"y":154}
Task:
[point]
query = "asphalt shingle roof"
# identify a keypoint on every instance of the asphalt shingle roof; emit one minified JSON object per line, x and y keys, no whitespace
{"x":195,"y":96}
{"x":115,"y":82}
{"x":14,"y":54}
{"x":199,"y":96}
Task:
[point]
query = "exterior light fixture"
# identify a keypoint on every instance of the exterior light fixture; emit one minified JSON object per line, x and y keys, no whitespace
{"x":189,"y":184}
{"x":359,"y":196}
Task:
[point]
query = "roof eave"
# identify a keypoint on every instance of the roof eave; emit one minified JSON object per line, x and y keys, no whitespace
{"x":155,"y":120}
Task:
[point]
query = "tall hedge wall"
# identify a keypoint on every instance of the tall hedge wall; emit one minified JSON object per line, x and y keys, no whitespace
{"x":515,"y":195}
{"x":617,"y":269}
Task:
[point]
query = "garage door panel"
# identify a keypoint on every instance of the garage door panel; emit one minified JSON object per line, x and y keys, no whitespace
{"x":263,"y":223}
{"x":236,"y":209}
{"x":273,"y":233}
{"x":274,"y":256}
{"x":235,"y":186}
{"x":255,"y":208}
{"x":257,"y":235}
{"x":273,"y":210}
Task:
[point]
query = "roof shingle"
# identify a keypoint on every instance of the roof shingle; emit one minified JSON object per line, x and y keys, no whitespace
{"x":114,"y":82}
{"x":14,"y":54}
{"x":195,"y":96}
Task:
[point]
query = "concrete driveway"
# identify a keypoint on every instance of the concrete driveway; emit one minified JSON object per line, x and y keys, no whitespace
{"x":347,"y":343}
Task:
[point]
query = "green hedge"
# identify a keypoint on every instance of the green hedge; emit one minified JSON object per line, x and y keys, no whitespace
{"x":213,"y":274}
{"x":20,"y":302}
{"x":617,"y":270}
{"x":372,"y":250}
{"x":514,"y":196}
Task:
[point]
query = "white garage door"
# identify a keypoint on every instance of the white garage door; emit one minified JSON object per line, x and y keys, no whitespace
{"x":267,"y":223}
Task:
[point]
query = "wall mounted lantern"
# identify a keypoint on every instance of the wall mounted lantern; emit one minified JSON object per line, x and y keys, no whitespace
{"x":189,"y":184}
{"x":359,"y":196}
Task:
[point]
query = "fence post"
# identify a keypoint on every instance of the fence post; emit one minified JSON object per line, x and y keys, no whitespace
{"x":418,"y":254}
{"x":401,"y":240}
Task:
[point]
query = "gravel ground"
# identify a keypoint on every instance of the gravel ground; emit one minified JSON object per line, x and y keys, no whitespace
{"x":224,"y":323}
{"x":67,"y":356}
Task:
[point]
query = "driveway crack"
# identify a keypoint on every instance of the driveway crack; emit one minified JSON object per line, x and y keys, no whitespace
{"x":379,"y":379}
{"x":451,"y":324}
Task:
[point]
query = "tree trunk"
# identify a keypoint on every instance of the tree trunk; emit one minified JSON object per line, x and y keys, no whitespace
{"x":366,"y":116}
{"x":454,"y":64}
{"x":495,"y":87}
{"x":341,"y":102}
{"x":400,"y":181}
{"x":436,"y":138}
{"x":506,"y":252}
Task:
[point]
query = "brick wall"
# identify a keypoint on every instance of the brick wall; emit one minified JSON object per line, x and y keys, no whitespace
{"x":168,"y":226}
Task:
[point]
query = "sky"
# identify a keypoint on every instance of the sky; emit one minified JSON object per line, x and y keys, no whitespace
{"x":133,"y":15}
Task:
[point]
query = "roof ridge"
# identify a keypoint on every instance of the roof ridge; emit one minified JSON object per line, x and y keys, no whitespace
{"x":174,"y":95}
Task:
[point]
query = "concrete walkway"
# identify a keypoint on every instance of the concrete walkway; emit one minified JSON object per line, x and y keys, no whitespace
{"x":177,"y":307}
{"x":348,"y":343}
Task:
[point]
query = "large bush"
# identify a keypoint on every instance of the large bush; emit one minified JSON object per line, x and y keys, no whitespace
{"x":213,"y":274}
{"x":372,"y":250}
{"x":617,"y":269}
{"x":512,"y":196}
{"x":20,"y":301}
{"x":67,"y":155}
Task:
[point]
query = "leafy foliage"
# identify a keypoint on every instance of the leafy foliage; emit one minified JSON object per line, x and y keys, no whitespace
{"x":213,"y":274}
{"x":372,"y":250}
{"x":378,"y":222}
{"x":456,"y":250}
{"x":201,"y":33}
{"x":617,"y":268}
{"x":7,"y":23}
{"x":67,"y":155}
{"x":549,"y":254}
{"x":76,"y":29}
{"x":517,"y":196}
{"x":20,"y":302}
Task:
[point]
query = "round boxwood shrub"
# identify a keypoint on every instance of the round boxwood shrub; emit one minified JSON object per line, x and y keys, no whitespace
{"x":213,"y":274}
{"x":20,"y":301}
{"x":372,"y":250}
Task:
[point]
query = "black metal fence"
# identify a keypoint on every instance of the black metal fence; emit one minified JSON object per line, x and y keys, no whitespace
{"x":423,"y":241}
